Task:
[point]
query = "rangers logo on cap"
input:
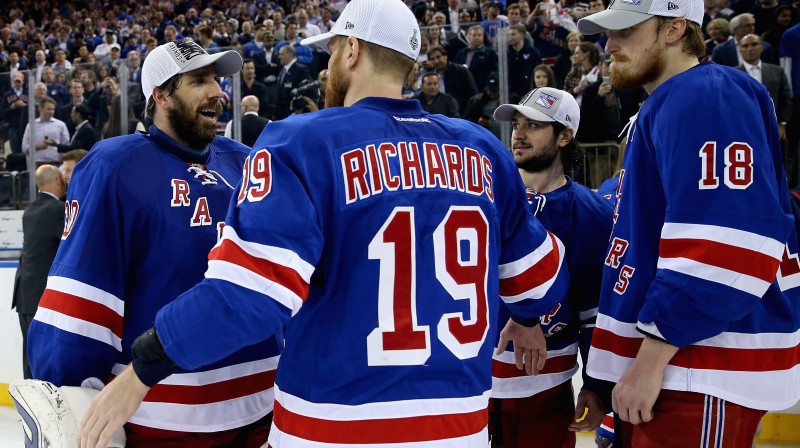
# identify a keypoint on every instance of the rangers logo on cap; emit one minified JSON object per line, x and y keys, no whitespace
{"x":546,"y":100}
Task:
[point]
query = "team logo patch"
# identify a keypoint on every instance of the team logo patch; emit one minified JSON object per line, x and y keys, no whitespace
{"x":546,"y":100}
{"x":632,"y":2}
{"x":414,"y":41}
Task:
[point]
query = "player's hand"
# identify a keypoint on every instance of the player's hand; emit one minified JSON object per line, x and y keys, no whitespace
{"x":636,"y":392}
{"x":530,"y":346}
{"x":109,"y":410}
{"x":589,"y":412}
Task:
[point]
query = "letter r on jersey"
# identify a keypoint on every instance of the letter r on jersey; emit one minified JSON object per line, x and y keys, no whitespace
{"x":617,"y":250}
{"x":180,"y":193}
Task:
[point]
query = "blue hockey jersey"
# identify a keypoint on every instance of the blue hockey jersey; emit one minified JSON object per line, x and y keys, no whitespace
{"x":703,"y":252}
{"x":582,"y":220}
{"x":142,"y":213}
{"x":397,"y":232}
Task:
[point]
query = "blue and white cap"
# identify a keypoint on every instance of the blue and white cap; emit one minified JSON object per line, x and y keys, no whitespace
{"x":622,"y":14}
{"x":544,"y":104}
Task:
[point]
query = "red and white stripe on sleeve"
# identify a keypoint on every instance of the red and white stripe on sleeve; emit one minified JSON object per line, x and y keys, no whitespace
{"x":274,"y":271}
{"x":82,"y":309}
{"x":531,"y":276}
{"x":736,"y":258}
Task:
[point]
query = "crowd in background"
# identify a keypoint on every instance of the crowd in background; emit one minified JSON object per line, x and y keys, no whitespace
{"x":77,"y":53}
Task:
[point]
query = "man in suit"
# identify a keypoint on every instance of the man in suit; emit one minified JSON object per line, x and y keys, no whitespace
{"x":478,"y":57}
{"x":42,"y":226}
{"x":252,"y":123}
{"x":433,"y":101}
{"x":291,"y":76}
{"x":777,"y":83}
{"x":727,"y":53}
{"x":84,"y":135}
{"x":456,"y":79}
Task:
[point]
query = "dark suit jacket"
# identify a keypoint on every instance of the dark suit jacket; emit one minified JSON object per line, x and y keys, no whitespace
{"x":458,"y":81}
{"x":42,"y":225}
{"x":297,"y":73}
{"x":252,"y":125}
{"x":777,"y":84}
{"x":483,"y":62}
{"x":84,"y":138}
{"x":725,"y":53}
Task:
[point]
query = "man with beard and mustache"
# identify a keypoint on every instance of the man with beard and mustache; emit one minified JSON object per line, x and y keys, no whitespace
{"x":699,"y":309}
{"x":541,"y":410}
{"x":144,"y":211}
{"x":385,"y":266}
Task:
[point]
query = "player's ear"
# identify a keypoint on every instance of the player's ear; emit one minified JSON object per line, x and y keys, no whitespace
{"x":352,"y":51}
{"x":675,"y":29}
{"x":565,"y":137}
{"x":161,"y":99}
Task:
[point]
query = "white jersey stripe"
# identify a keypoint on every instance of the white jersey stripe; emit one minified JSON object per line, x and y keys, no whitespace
{"x":381,"y":410}
{"x":724,"y":235}
{"x":78,"y":326}
{"x":216,"y":375}
{"x":515,"y":268}
{"x":74,"y":287}
{"x":246,"y":278}
{"x":277,"y":255}
{"x":737,"y":280}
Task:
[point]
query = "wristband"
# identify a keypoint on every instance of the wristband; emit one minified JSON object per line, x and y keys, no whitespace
{"x":150,"y":361}
{"x":526,"y":321}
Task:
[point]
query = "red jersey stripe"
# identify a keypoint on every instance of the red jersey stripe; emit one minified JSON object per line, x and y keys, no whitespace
{"x":283,"y":275}
{"x":541,"y":272}
{"x":82,"y":309}
{"x":210,"y":393}
{"x":390,"y":430}
{"x":722,"y":255}
{"x":557,"y":364}
{"x":706,"y":357}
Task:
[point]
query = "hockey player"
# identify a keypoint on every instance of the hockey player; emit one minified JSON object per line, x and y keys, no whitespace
{"x":143,"y":211}
{"x":700,"y":309}
{"x":531,"y":411}
{"x":383,"y":236}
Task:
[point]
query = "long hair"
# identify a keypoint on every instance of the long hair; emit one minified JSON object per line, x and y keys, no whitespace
{"x":572,"y":153}
{"x":551,"y":76}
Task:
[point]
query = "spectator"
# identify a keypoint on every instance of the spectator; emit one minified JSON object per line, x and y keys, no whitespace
{"x":785,"y":17}
{"x":478,"y":58}
{"x":64,"y":112}
{"x":493,"y":22}
{"x":325,"y":23}
{"x":458,"y":40}
{"x":61,"y":64}
{"x":15,"y":60}
{"x":247,"y":32}
{"x":84,"y":135}
{"x":42,"y":228}
{"x":280,"y":29}
{"x":728,"y":53}
{"x":134,"y":62}
{"x":305,"y":29}
{"x":83,"y":51}
{"x":39,"y":63}
{"x":302,"y":53}
{"x":290,"y":77}
{"x":763,"y":14}
{"x":522,"y":58}
{"x":47,"y":133}
{"x":433,"y":101}
{"x":254,"y":88}
{"x":113,"y":58}
{"x":56,"y":91}
{"x":252,"y":122}
{"x":68,"y":161}
{"x":113,"y":128}
{"x":584,"y":70}
{"x":453,"y":78}
{"x":15,"y":110}
{"x":718,"y":9}
{"x":543,"y":76}
{"x":564,"y":63}
{"x":260,"y":52}
{"x":719,"y":31}
{"x":101,"y":50}
{"x":480,"y":108}
{"x":322,"y":78}
{"x":206,"y":39}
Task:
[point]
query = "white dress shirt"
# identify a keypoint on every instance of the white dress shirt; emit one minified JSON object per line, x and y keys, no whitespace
{"x":754,"y":70}
{"x":53,"y":129}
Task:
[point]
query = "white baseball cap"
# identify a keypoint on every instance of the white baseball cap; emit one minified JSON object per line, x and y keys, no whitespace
{"x":544,"y":104}
{"x":388,"y":23}
{"x":183,"y":56}
{"x":622,"y":14}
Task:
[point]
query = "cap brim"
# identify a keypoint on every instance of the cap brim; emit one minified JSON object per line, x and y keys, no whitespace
{"x":227,"y":62}
{"x":611,"y":19}
{"x":505,"y":113}
{"x":320,"y":40}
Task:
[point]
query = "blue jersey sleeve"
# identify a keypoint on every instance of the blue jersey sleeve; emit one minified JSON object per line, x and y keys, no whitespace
{"x":723,"y":233}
